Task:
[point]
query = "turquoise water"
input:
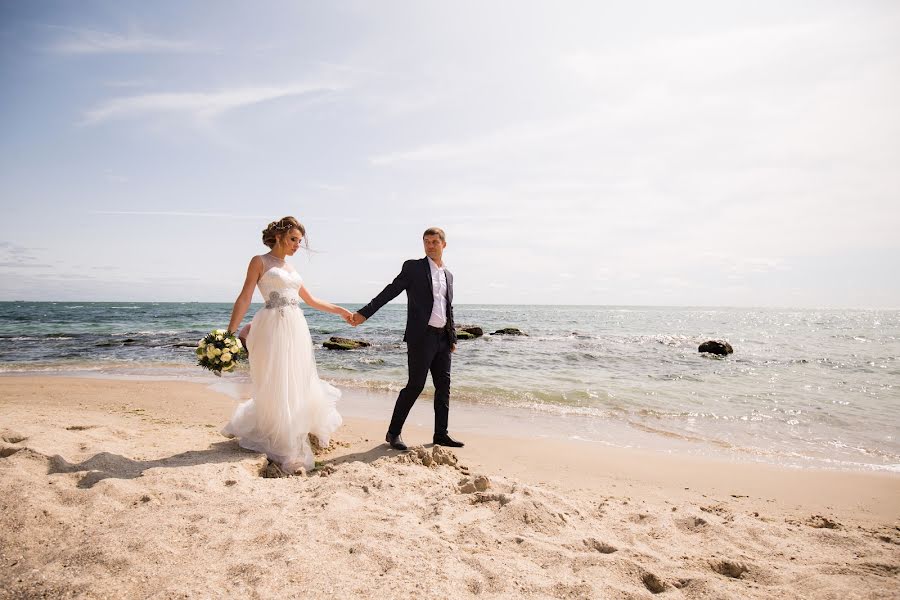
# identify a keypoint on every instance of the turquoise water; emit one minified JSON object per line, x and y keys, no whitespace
{"x":816,"y":387}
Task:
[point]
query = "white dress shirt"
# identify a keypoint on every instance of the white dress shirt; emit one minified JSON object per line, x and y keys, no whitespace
{"x":439,"y":285}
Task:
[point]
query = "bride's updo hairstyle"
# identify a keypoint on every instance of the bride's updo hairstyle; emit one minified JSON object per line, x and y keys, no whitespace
{"x":278,"y":228}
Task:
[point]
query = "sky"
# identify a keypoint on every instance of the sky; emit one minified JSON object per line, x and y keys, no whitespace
{"x":644,"y":153}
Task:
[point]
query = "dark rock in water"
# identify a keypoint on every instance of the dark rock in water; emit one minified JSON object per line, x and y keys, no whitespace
{"x":509,"y":331}
{"x":716,"y":347}
{"x":339,"y":343}
{"x":468,"y":332}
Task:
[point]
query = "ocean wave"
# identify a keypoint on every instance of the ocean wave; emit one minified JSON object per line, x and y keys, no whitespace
{"x":366,"y":360}
{"x":20,"y":368}
{"x":668,"y":433}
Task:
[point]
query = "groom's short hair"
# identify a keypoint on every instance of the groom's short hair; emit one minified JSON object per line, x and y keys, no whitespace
{"x":435,"y":231}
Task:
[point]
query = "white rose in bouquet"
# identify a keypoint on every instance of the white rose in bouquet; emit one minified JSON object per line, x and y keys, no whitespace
{"x":219,"y":351}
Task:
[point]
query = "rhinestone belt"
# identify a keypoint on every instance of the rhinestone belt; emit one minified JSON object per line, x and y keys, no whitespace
{"x":276,"y":300}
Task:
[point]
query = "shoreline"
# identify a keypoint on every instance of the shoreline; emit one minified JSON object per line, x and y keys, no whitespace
{"x":481,"y":418}
{"x":112,"y":488}
{"x":496,"y":443}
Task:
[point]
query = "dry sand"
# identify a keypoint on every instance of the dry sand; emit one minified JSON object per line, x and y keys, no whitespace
{"x":125,"y":489}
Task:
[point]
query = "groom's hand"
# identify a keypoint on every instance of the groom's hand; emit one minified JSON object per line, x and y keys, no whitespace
{"x":453,"y":348}
{"x":357,"y":319}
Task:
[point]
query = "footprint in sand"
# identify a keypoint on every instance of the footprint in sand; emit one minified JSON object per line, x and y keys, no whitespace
{"x":691,"y":524}
{"x":881,"y":569}
{"x":6,"y":451}
{"x":12,"y":437}
{"x":682,"y":583}
{"x":653,"y":583}
{"x":641,"y":519}
{"x":601,"y":547}
{"x":727,"y":568}
{"x":820,"y":522}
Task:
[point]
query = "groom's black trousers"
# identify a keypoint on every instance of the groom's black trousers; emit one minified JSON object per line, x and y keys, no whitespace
{"x":431,"y":353}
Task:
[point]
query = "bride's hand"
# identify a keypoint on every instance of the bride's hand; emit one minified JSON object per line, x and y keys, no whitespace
{"x":346,"y":315}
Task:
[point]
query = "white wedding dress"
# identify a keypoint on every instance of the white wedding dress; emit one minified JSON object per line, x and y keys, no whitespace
{"x":289,"y":401}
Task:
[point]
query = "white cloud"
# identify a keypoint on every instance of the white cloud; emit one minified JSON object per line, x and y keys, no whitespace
{"x":204,"y":215}
{"x":689,"y":59}
{"x":510,"y":139}
{"x":14,"y":256}
{"x":169,"y":213}
{"x":87,"y":41}
{"x":201,"y":106}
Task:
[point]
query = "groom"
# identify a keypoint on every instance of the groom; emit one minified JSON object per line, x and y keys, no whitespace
{"x":430,"y":336}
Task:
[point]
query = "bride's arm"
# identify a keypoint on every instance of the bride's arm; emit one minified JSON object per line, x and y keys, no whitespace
{"x":322,"y":305}
{"x":254,"y":270}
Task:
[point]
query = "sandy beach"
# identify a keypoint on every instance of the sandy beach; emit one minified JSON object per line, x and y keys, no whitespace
{"x":126,"y":489}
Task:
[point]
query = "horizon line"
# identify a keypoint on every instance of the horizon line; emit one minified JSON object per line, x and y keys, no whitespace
{"x":613,"y":305}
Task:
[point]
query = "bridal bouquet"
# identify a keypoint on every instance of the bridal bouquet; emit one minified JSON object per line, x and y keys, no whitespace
{"x":220,"y":351}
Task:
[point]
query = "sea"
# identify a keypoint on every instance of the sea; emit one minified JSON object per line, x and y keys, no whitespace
{"x":804,"y":387}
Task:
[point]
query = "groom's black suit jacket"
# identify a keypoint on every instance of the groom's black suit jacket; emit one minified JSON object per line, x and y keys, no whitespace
{"x":415,"y":278}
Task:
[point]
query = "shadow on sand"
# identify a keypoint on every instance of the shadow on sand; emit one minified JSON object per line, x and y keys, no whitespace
{"x":106,"y":465}
{"x":370,"y":456}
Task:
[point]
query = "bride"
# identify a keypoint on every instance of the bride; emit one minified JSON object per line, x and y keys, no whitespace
{"x":289,"y":400}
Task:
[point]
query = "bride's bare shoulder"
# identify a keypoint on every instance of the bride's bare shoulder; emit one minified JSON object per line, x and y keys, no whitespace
{"x":256,"y":263}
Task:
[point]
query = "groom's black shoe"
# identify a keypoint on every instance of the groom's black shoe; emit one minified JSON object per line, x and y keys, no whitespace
{"x":395,"y":441}
{"x":446,"y":440}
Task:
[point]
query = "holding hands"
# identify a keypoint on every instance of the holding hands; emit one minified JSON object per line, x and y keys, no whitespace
{"x":346,"y":315}
{"x":351,"y":318}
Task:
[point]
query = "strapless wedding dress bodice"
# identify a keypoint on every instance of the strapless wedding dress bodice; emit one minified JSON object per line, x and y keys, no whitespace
{"x":289,"y":400}
{"x":279,"y":285}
